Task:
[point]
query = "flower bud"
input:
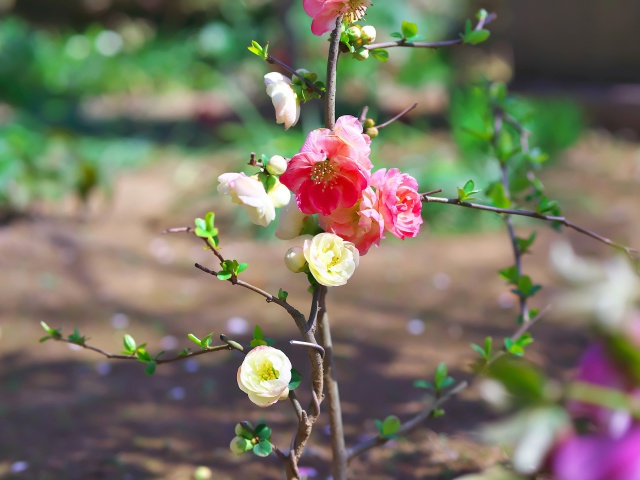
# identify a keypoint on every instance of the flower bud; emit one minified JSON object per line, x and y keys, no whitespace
{"x":241,"y":431}
{"x":372,"y":132}
{"x":368,"y":123}
{"x":361,"y":54}
{"x":368,"y":34}
{"x":294,"y":259}
{"x":353,"y":33}
{"x":277,"y":165}
{"x":240,"y":445}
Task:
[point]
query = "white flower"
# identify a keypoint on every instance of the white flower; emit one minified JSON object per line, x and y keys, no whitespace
{"x":264,"y":375}
{"x":331,"y":260}
{"x":250,"y":193}
{"x":277,"y":165}
{"x":284,"y":99}
{"x":290,"y":221}
{"x":279,"y":194}
{"x":294,"y":259}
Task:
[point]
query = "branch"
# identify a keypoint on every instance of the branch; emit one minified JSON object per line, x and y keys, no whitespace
{"x":332,"y":70}
{"x":404,"y":112}
{"x":412,"y":424}
{"x":517,"y":252}
{"x":526,"y":213}
{"x":447,"y":43}
{"x":309,"y":84}
{"x":216,"y":348}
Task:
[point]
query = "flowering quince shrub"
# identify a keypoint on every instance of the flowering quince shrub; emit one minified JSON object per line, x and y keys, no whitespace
{"x":335,"y":202}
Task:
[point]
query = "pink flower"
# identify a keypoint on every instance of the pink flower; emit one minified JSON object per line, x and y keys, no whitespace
{"x":599,"y":457}
{"x":329,"y":172}
{"x":325,"y":12}
{"x":361,"y":224}
{"x":349,"y":130}
{"x":400,"y":203}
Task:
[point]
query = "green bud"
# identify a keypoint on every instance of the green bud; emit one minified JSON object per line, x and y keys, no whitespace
{"x":353,"y":33}
{"x":241,"y":431}
{"x":294,"y":259}
{"x":240,"y":445}
{"x":361,"y":54}
{"x":368,"y":123}
{"x":372,"y":132}
{"x":368,"y":34}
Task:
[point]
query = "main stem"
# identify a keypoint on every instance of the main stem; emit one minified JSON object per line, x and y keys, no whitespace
{"x":338,"y":448}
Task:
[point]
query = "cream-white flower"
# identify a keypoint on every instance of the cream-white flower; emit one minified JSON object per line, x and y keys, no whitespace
{"x":331,"y":260}
{"x":250,"y":193}
{"x":284,"y":99}
{"x":279,"y":194}
{"x":294,"y":259}
{"x":290,"y":221}
{"x":264,"y":375}
{"x":277,"y":165}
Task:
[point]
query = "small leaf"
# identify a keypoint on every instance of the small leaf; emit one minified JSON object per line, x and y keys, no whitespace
{"x":409,"y":29}
{"x":295,"y":379}
{"x":206,"y":341}
{"x":184,"y":352}
{"x":241,"y":268}
{"x":257,"y":333}
{"x":438,"y":412}
{"x":256,"y":48}
{"x":423,"y":384}
{"x":498,"y":195}
{"x":478,"y":349}
{"x":282,"y":295}
{"x":378,"y":426}
{"x":129,"y":343}
{"x":380,"y":54}
{"x":525,"y":243}
{"x":194,"y":339}
{"x":396,"y":35}
{"x":150,"y":369}
{"x":510,"y":274}
{"x":475,"y":37}
{"x":256,"y":343}
{"x":44,"y":339}
{"x":143,"y":355}
{"x":224,"y":275}
{"x":263,"y":449}
{"x":390,"y":425}
{"x":209,"y":219}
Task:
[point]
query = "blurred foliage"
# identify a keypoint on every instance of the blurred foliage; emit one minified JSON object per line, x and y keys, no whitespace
{"x":73,"y":53}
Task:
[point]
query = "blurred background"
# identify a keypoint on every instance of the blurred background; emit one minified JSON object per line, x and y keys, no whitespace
{"x":117,"y":116}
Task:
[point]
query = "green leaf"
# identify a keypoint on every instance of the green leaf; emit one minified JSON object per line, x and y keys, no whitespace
{"x":282,"y":295}
{"x":415,"y":38}
{"x":263,"y":449}
{"x":525,"y":243}
{"x":256,"y":48}
{"x":409,"y":29}
{"x":486,"y":135}
{"x":423,"y":384}
{"x":129,"y":343}
{"x":488,"y":346}
{"x":390,"y":425}
{"x":206,"y":341}
{"x":241,"y":267}
{"x":257,"y":333}
{"x":256,"y":343}
{"x":441,"y":380}
{"x":184,"y":352}
{"x":466,"y":193}
{"x":194,"y":339}
{"x":378,"y":426}
{"x":510,"y":274}
{"x":270,"y":183}
{"x":498,"y":195}
{"x":150,"y":369}
{"x":475,"y":37}
{"x":478,"y":349}
{"x":76,"y":338}
{"x":380,"y":54}
{"x":54,"y":332}
{"x":295,"y":379}
{"x":437,"y":413}
{"x":396,"y":35}
{"x":224,"y":275}
{"x":209,"y":220}
{"x":143,"y":355}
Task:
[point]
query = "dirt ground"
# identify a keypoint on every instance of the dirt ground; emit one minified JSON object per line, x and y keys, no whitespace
{"x":67,"y":414}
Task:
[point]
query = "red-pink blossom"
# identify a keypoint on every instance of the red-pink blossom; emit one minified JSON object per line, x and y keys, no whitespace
{"x":326,"y":12}
{"x":361,"y":224}
{"x":348,"y":129}
{"x":400,"y":203}
{"x":329,"y":172}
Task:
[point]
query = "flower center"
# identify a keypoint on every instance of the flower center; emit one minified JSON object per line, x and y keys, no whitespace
{"x":356,"y":9}
{"x":323,"y":172}
{"x":267,"y":372}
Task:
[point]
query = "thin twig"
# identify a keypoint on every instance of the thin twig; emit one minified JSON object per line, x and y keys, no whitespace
{"x":526,"y":213}
{"x":293,"y":398}
{"x":113,"y":356}
{"x":309,"y":345}
{"x":363,"y":114}
{"x":404,"y":112}
{"x":308,"y":82}
{"x":447,"y":43}
{"x":332,"y":69}
{"x":425,"y":414}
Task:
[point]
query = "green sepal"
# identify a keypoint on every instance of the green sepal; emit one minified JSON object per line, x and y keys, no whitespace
{"x":296,"y":378}
{"x":150,"y":368}
{"x":263,"y":449}
{"x":263,"y":432}
{"x":282,"y":295}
